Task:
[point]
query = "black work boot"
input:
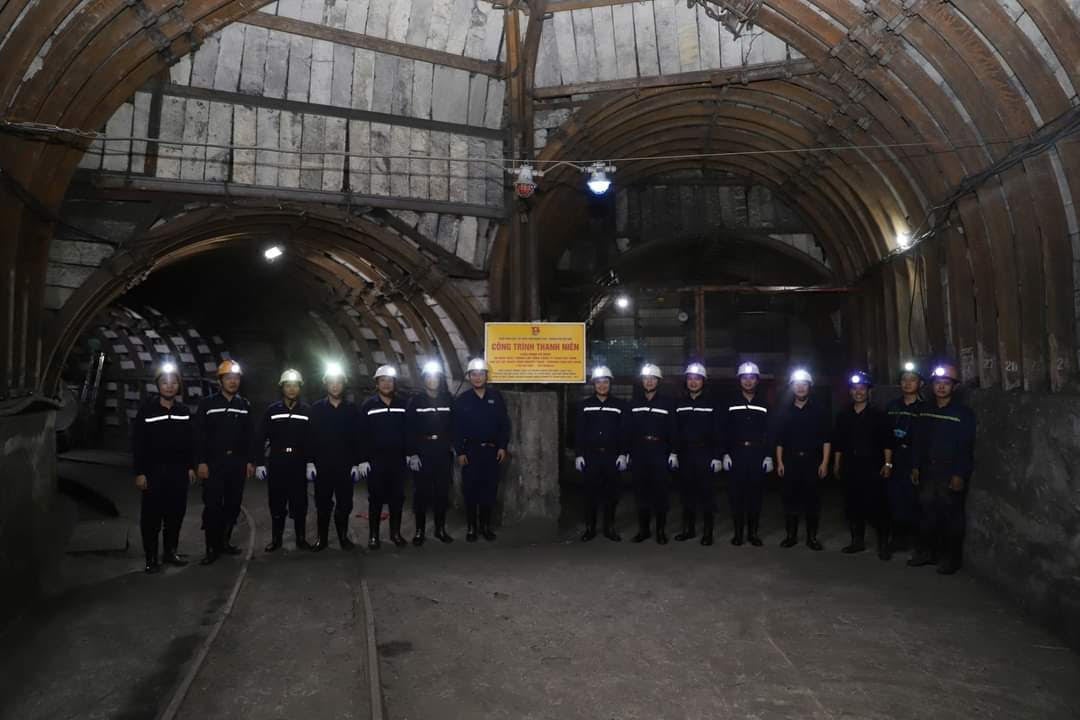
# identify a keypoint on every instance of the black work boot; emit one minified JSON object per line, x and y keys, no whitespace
{"x":171,"y":557}
{"x":342,"y":527}
{"x":689,"y":531}
{"x":277,"y":529}
{"x":211,"y":555}
{"x":812,"y":541}
{"x":792,"y":538}
{"x":951,"y":563}
{"x":858,"y":540}
{"x":590,"y":524}
{"x":485,"y":524}
{"x":152,"y":565}
{"x":395,"y":529}
{"x":374,"y":521}
{"x":421,"y":529}
{"x":740,"y":526}
{"x":470,"y":523}
{"x":609,"y":525}
{"x":440,"y":527}
{"x":322,"y":526}
{"x":228,"y":548}
{"x":707,"y":529}
{"x":661,"y":528}
{"x":752,"y":529}
{"x":300,"y":526}
{"x":643,"y":533}
{"x":884,"y":551}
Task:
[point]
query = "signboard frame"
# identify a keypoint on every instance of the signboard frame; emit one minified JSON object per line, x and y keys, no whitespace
{"x":583,"y":374}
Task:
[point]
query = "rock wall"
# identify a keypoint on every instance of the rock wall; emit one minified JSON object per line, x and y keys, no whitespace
{"x":530,"y":484}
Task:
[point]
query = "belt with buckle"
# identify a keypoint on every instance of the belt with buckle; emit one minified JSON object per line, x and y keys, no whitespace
{"x":803,"y":453}
{"x":903,"y":447}
{"x":749,"y":443}
{"x":431,"y":437}
{"x":652,"y":438}
{"x":487,"y":444}
{"x":598,"y":449}
{"x":228,"y":452}
{"x":287,"y":450}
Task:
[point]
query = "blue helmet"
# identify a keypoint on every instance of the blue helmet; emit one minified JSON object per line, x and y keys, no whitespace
{"x":860,"y":378}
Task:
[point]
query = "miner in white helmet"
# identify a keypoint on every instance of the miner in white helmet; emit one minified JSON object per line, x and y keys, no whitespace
{"x":334,"y":428}
{"x":749,"y":456}
{"x":699,"y":446}
{"x":803,"y":452}
{"x":481,"y":437}
{"x":382,"y":444}
{"x":652,"y":452}
{"x":430,"y":452}
{"x":289,"y":466}
{"x":600,"y":452}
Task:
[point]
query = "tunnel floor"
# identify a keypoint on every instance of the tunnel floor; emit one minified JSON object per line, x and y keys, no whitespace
{"x":537,"y":625}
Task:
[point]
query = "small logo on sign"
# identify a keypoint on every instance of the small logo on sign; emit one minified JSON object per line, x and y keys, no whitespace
{"x":535,"y":329}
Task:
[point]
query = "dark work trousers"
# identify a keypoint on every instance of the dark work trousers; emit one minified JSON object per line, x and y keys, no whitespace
{"x":287,"y":490}
{"x":746,"y":481}
{"x":164,"y":503}
{"x":431,"y":486}
{"x":333,"y":494}
{"x":865,"y":494}
{"x":601,"y":479}
{"x":386,"y":484}
{"x":651,"y":477}
{"x":480,"y":478}
{"x":222,"y":492}
{"x":799,"y":485}
{"x":696,"y":480}
{"x":903,"y":496}
{"x":943,"y":519}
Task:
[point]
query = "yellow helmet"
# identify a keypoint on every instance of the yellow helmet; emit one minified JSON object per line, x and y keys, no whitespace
{"x":229,"y":367}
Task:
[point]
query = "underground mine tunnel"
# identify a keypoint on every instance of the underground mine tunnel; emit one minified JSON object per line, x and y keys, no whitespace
{"x":596,"y":358}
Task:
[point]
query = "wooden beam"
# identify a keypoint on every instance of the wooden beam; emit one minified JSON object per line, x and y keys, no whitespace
{"x":568,"y":5}
{"x":106,"y":185}
{"x":455,"y":266}
{"x":769,"y":289}
{"x":296,"y":106}
{"x":740,"y":75}
{"x":368,"y":42}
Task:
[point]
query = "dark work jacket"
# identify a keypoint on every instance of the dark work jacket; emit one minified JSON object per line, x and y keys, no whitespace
{"x":333,"y":434}
{"x":224,"y":429}
{"x":382,"y":428}
{"x":903,"y":419}
{"x":862,"y":435}
{"x":427,"y":416}
{"x":288,"y":432}
{"x":804,"y":429}
{"x":746,"y":421}
{"x":945,"y":437}
{"x":655,"y":418}
{"x":480,"y":420}
{"x":698,"y":424}
{"x":162,"y":436}
{"x":601,"y":425}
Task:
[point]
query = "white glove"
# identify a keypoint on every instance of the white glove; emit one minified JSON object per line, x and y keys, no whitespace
{"x":311,"y":472}
{"x":363,"y":469}
{"x":260,"y":472}
{"x":622,"y":462}
{"x":673,"y":461}
{"x":579,"y":464}
{"x":727,"y":463}
{"x":716,"y":466}
{"x":354,"y":474}
{"x":414,"y":463}
{"x":767,"y":465}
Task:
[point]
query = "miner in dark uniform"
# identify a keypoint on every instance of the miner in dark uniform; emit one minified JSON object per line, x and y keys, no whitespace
{"x":748,"y":459}
{"x":334,"y":429}
{"x":428,"y":423}
{"x":285,"y":437}
{"x":163,"y":449}
{"x":862,"y":452}
{"x":903,"y":497}
{"x":600,"y":450}
{"x":803,"y":451}
{"x":651,"y":437}
{"x":699,"y":449}
{"x":382,"y":442}
{"x":944,"y":458}
{"x":223,"y":449}
{"x":481,"y":437}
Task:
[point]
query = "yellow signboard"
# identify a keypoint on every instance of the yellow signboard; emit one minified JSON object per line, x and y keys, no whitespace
{"x":550,"y":352}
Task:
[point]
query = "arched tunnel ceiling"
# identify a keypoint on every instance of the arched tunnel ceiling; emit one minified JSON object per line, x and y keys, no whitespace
{"x":936,"y":94}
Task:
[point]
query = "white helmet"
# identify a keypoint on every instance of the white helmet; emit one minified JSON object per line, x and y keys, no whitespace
{"x":291,"y":376}
{"x":432,"y":367}
{"x":696,"y":368}
{"x":386,"y":371}
{"x":601,"y":371}
{"x":477,"y":364}
{"x":650,"y":370}
{"x":801,"y":375}
{"x":748,"y":368}
{"x":333,"y":371}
